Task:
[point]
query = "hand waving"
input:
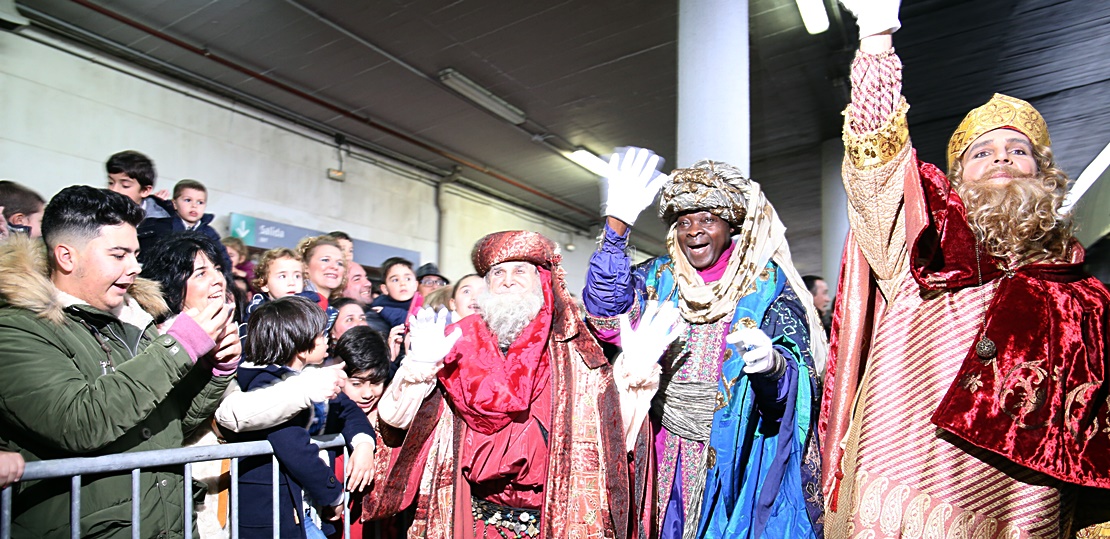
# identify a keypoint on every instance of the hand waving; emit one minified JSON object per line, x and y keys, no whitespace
{"x":659,"y":327}
{"x":632,"y":183}
{"x":428,"y":343}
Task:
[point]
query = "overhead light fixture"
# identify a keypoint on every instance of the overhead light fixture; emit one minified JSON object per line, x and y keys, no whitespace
{"x":1097,"y":169}
{"x":10,"y":19}
{"x":814,"y":16}
{"x":481,"y":96}
{"x":589,"y":161}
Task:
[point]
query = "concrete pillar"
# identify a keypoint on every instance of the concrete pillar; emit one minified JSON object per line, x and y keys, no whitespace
{"x":834,"y":211}
{"x":713,"y":121}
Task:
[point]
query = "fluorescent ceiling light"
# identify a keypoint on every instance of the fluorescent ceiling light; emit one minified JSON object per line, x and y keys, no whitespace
{"x":1093,"y":172}
{"x":587,"y":160}
{"x":481,"y":96}
{"x":10,"y":19}
{"x":813,"y":15}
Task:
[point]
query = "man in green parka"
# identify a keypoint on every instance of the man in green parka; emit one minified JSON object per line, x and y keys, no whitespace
{"x":85,"y":372}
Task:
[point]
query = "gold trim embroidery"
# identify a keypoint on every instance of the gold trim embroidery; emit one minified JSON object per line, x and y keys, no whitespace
{"x":971,"y":382}
{"x":877,"y":147}
{"x":1022,"y":392}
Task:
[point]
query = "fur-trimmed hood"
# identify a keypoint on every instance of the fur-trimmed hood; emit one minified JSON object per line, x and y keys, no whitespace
{"x":25,"y":283}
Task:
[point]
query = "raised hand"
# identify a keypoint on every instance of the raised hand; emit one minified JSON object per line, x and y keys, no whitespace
{"x":632,"y":183}
{"x":874,"y":17}
{"x":415,"y":378}
{"x":213,"y":319}
{"x":427,"y":342}
{"x":642,"y":347}
{"x":228,"y":350}
{"x":396,"y":340}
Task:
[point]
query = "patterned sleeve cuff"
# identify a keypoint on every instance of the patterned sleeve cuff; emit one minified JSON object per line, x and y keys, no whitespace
{"x":608,"y":328}
{"x":876,"y":148}
{"x":613,"y":322}
{"x":875,"y":127}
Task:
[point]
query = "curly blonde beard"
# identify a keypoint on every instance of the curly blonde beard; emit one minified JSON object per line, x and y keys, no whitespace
{"x":1019,"y":221}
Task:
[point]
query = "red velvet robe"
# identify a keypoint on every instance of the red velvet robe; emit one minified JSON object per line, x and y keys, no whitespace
{"x":1042,"y":401}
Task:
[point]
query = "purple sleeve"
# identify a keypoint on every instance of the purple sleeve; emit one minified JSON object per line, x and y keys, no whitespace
{"x":609,"y":286}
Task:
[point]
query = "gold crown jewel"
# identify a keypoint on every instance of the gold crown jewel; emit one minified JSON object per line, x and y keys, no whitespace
{"x":1002,"y":111}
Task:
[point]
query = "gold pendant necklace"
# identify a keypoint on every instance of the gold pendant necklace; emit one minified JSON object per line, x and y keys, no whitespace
{"x":985,"y":348}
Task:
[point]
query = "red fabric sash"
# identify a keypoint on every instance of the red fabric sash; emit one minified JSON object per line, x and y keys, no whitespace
{"x":487,"y":389}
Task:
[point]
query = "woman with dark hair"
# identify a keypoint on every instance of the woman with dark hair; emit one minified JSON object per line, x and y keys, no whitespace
{"x":190,"y":268}
{"x":350,"y":314}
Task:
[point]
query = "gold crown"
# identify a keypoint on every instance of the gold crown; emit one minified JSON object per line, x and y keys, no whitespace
{"x":1001,"y":111}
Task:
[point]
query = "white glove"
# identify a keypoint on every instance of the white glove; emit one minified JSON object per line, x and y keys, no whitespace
{"x":427,"y":342}
{"x":631,"y":184}
{"x":874,"y":16}
{"x":320,"y":384}
{"x":642,"y":347}
{"x":636,"y":371}
{"x":759,"y":356}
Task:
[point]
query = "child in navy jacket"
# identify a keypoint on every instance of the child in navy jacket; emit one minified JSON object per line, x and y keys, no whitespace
{"x":285,"y":336}
{"x":398,"y":289}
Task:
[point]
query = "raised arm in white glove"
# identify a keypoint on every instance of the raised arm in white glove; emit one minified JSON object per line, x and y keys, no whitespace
{"x":265,"y":407}
{"x":759,"y":356}
{"x":874,"y":17}
{"x":632,"y":183}
{"x":636,"y":371}
{"x":416,"y":377}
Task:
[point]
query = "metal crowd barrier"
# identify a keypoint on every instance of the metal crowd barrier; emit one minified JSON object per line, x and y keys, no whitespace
{"x":74,"y":468}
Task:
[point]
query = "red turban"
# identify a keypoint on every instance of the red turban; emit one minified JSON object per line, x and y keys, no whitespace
{"x":514,"y":246}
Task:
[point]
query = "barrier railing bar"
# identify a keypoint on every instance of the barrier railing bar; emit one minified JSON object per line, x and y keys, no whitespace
{"x":75,"y":507}
{"x":74,"y":468}
{"x":160,"y":457}
{"x":233,"y":523}
{"x":6,"y":513}
{"x":275,"y":515}
{"x":346,"y":495}
{"x":135,"y":499}
{"x":188,"y":500}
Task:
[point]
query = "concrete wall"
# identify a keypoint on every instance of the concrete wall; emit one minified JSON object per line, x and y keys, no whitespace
{"x":64,"y":109}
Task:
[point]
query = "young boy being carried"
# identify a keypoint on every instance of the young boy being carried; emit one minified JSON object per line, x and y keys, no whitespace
{"x":399,"y":288}
{"x":279,"y":274}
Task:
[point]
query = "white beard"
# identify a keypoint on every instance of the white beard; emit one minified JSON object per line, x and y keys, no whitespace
{"x":508,"y":313}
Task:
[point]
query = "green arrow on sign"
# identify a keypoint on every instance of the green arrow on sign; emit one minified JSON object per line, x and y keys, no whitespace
{"x":242,"y":227}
